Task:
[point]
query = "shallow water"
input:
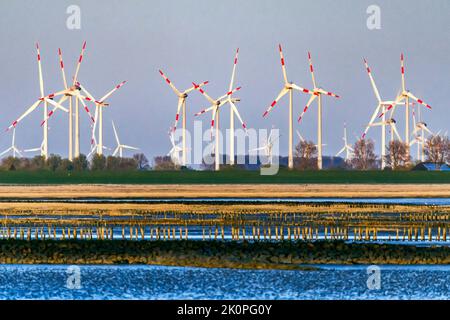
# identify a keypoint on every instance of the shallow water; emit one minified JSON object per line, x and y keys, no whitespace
{"x":415,"y":201}
{"x":160,"y":282}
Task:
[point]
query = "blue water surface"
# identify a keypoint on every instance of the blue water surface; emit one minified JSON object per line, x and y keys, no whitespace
{"x":161,"y":282}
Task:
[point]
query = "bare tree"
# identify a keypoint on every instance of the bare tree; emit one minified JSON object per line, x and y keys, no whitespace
{"x":398,"y":155}
{"x":437,"y":149}
{"x":163,"y":163}
{"x":364,"y":157}
{"x":141,"y":160}
{"x":306,"y":155}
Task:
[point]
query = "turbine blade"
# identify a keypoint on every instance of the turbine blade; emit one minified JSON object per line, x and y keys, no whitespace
{"x":402,"y":70}
{"x":341,"y":151}
{"x":427,"y":130}
{"x":296,"y":87}
{"x":85,"y":107}
{"x":75,"y":78}
{"x":229,"y":93}
{"x":178,"y":93}
{"x":236,"y":112}
{"x":394,"y":127}
{"x":311,"y":99}
{"x":89,"y":97}
{"x":280,"y":95}
{"x":397,"y":100}
{"x":213,"y":118}
{"x":409,"y":94}
{"x":372,"y":119}
{"x":205,"y":110}
{"x":56,"y":105}
{"x":198,"y":88}
{"x":41,"y":81}
{"x":6,"y":151}
{"x":27,"y":112}
{"x":372,"y":81}
{"x":124,"y":146}
{"x":61,"y":65}
{"x":331,"y":94}
{"x":234,"y":70}
{"x":115,"y":133}
{"x":283,"y":66}
{"x":311,"y":70}
{"x":106,"y":96}
{"x":177,"y":116}
{"x":63,"y":98}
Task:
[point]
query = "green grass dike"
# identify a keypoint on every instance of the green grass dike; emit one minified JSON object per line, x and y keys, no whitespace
{"x":220,"y":177}
{"x":288,"y":255}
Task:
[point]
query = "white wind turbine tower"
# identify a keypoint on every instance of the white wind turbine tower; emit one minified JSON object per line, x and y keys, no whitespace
{"x":35,"y":149}
{"x":381,"y":107}
{"x":347,"y":147}
{"x":405,"y":95}
{"x":215,"y":111}
{"x":181,"y":105}
{"x":120,"y":147}
{"x":13,"y":147}
{"x":317,"y":93}
{"x":43,"y":99}
{"x":268,"y":146}
{"x":174,"y":152}
{"x":69,"y":93}
{"x":287,"y":88}
{"x":98,"y":118}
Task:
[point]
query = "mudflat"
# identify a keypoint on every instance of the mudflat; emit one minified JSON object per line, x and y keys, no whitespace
{"x":225,"y":191}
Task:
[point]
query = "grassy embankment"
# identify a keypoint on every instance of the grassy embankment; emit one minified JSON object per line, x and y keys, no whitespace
{"x":222,"y":177}
{"x":243,"y":255}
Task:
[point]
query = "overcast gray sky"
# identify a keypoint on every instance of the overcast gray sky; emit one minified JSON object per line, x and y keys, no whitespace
{"x":196,"y":40}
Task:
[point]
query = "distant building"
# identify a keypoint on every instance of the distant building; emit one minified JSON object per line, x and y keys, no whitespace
{"x":431,"y":166}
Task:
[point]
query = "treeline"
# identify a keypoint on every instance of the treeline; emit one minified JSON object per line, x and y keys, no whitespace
{"x":398,"y":156}
{"x":57,"y":163}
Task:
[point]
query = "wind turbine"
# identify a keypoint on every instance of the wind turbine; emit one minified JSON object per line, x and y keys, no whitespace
{"x":181,"y":105}
{"x":98,"y":118}
{"x":405,"y":95}
{"x":120,"y":147}
{"x":43,"y":99}
{"x":381,"y":107}
{"x":268,"y":146}
{"x":347,"y":147}
{"x":174,"y":152}
{"x":69,"y":93}
{"x":13,"y":147}
{"x":317,"y":93}
{"x":287,"y":88}
{"x":215,"y":110}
